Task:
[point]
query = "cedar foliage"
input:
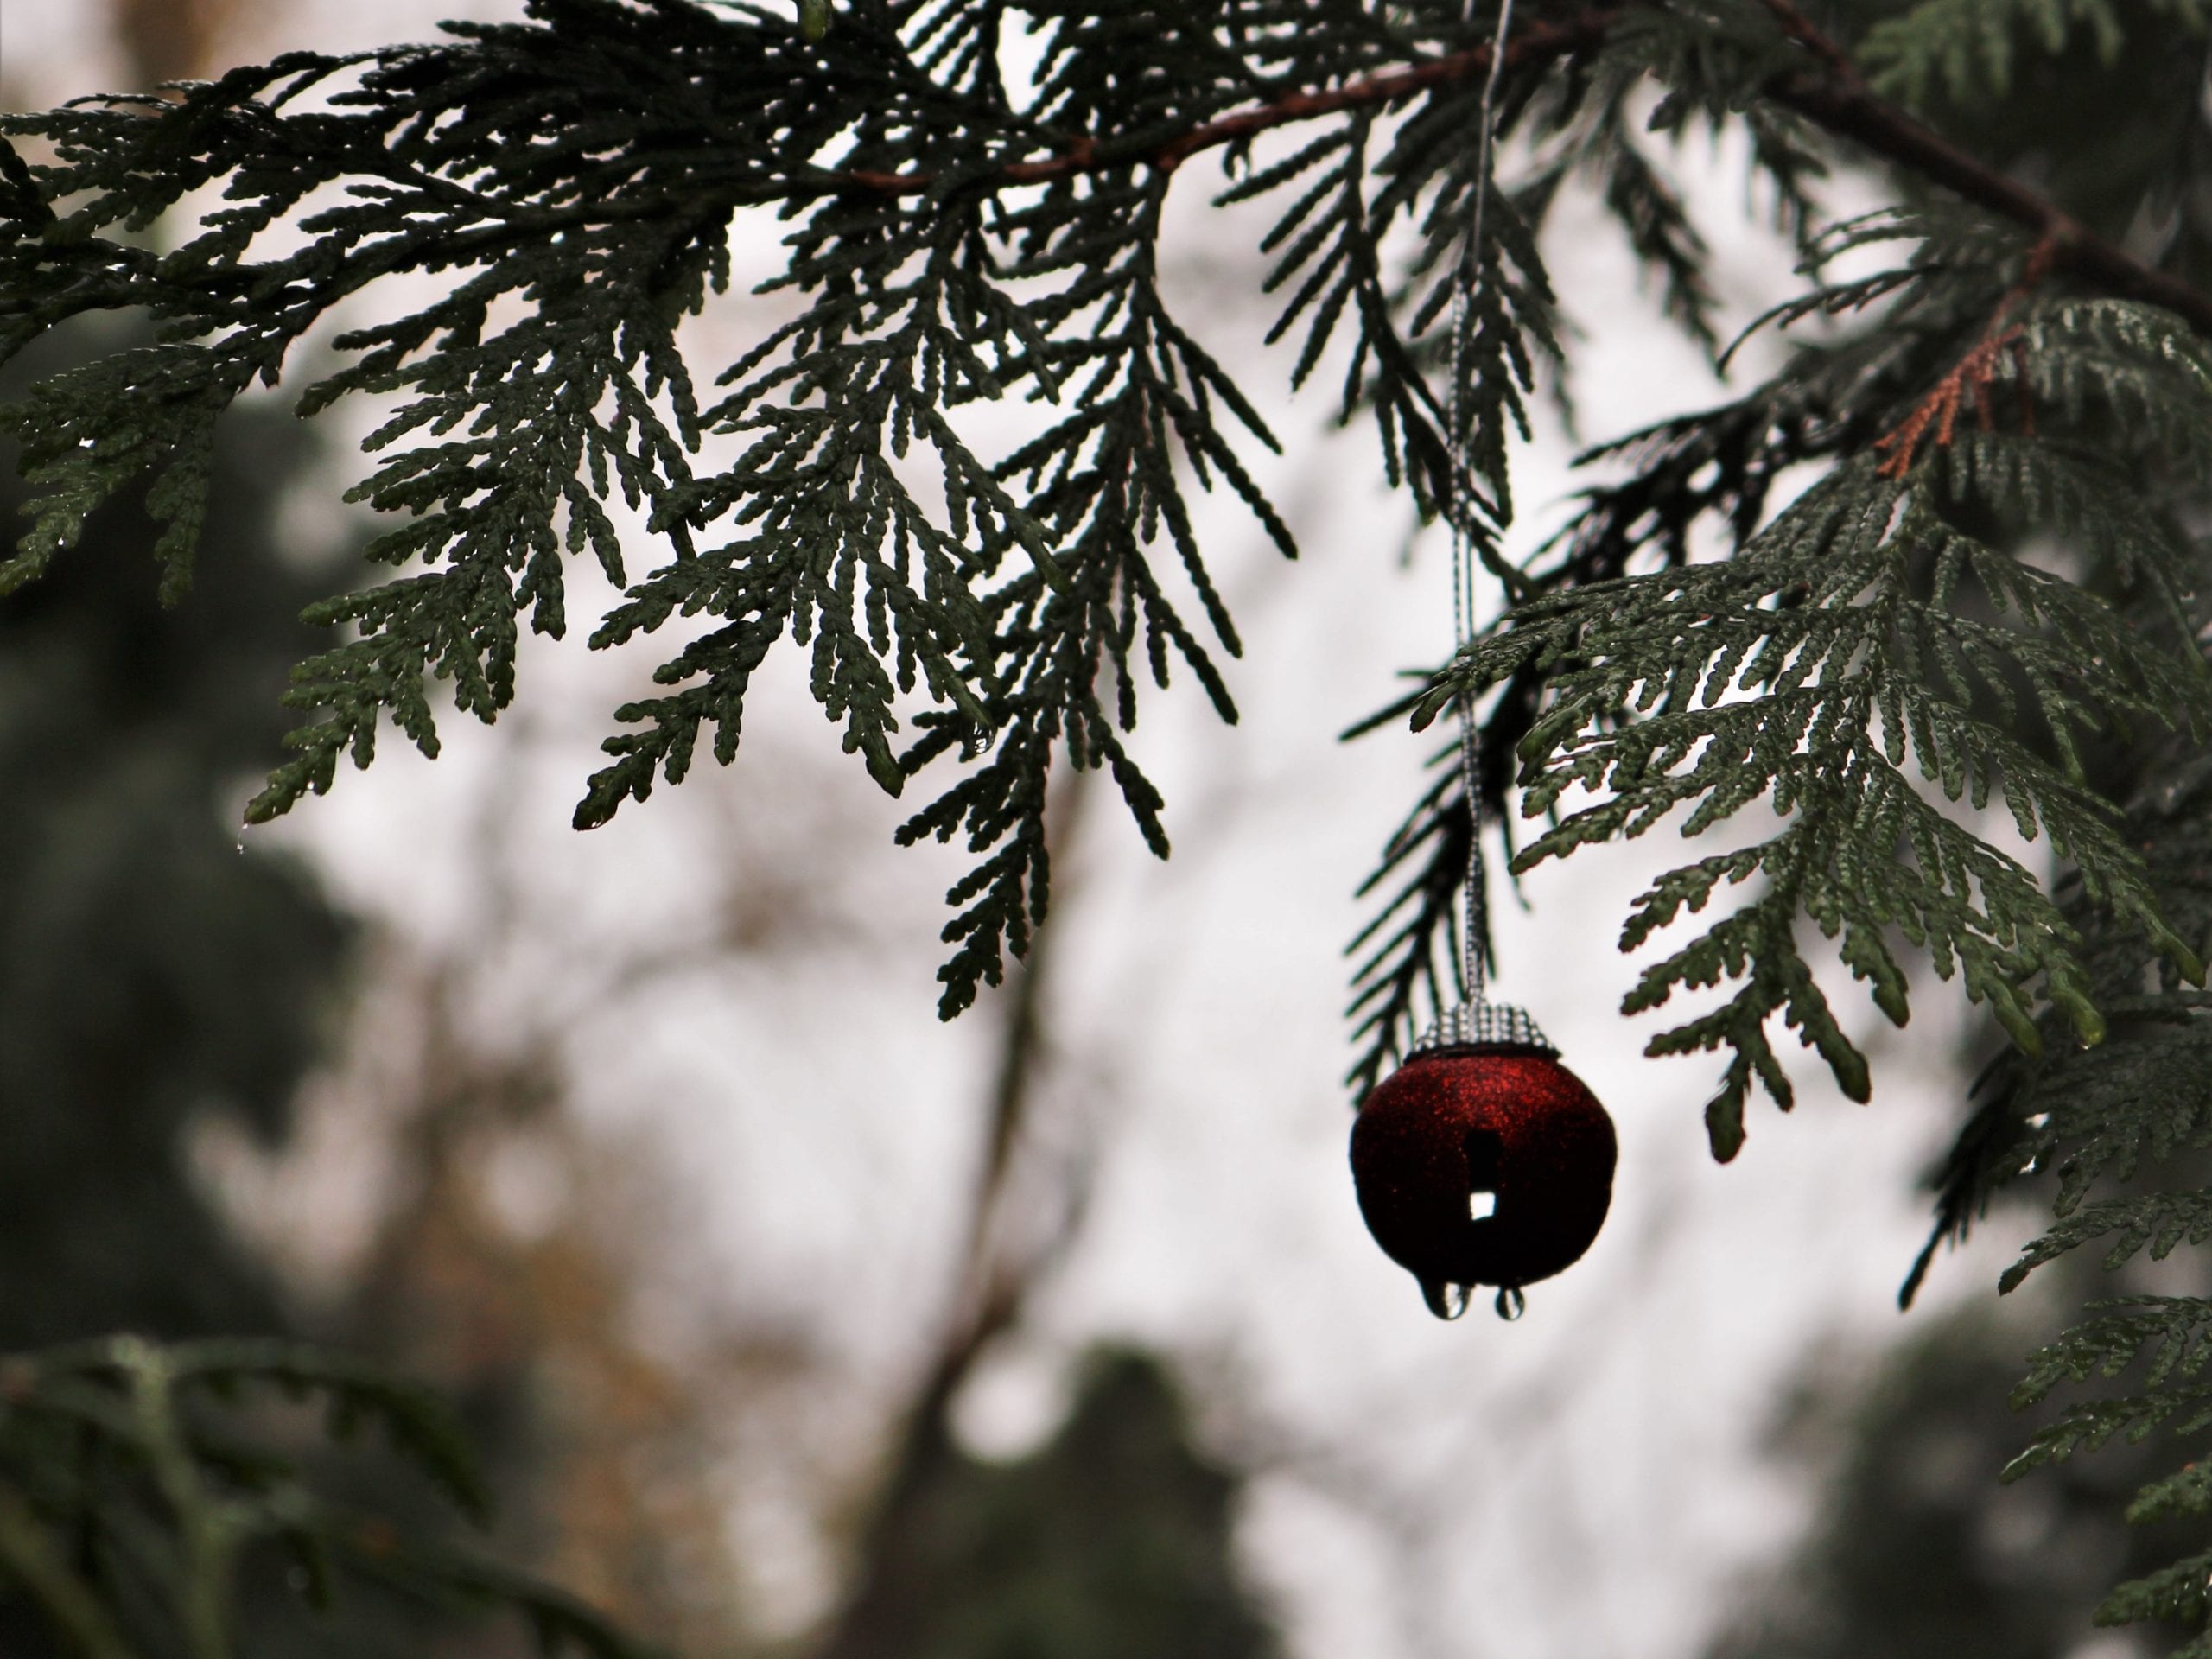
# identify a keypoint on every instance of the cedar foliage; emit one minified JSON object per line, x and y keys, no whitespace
{"x":1988,"y":592}
{"x":138,"y":1485}
{"x":157,"y":975}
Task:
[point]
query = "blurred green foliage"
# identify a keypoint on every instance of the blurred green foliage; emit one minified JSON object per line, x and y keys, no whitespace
{"x":1915,"y":1550}
{"x":161,"y":1497}
{"x":148,"y":973}
{"x":154,"y":971}
{"x":1113,"y":1541}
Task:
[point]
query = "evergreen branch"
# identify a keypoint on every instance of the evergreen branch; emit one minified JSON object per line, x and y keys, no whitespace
{"x":949,"y":248}
{"x":2170,"y":1335}
{"x":1396,"y":956}
{"x":2156,"y":1221}
{"x":2113,"y":1114}
{"x":1534,"y":44}
{"x":1843,"y":105}
{"x":1722,"y":463}
{"x":1984,"y":1155}
{"x":1969,"y":44}
{"x":1972,"y":377}
{"x":125,"y":1450}
{"x":2179,"y":1594}
{"x":1886,"y":657}
{"x":1863,"y":628}
{"x":1839,"y":100}
{"x":2087,"y":1116}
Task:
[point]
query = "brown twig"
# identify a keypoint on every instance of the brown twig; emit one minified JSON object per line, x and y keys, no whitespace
{"x":996,"y":1285}
{"x":1972,"y":375}
{"x":1833,"y":97}
{"x":1585,"y":29}
{"x":1839,"y":102}
{"x":1800,"y":29}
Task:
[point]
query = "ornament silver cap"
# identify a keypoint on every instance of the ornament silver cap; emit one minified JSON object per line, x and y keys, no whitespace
{"x":1484,"y":1022}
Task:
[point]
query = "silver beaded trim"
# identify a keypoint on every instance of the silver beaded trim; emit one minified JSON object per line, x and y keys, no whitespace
{"x":1483,"y":1022}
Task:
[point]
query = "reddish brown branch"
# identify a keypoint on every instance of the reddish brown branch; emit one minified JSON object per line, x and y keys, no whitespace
{"x":1580,"y":33}
{"x":1973,"y":376}
{"x":1843,"y":105}
{"x":1838,"y":101}
{"x":1800,"y":29}
{"x":1832,"y":97}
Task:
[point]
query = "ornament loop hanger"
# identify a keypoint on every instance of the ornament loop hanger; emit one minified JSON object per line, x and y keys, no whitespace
{"x":1481,"y":1107}
{"x":1476,"y":1018}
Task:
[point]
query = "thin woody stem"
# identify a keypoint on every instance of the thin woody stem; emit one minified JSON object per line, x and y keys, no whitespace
{"x":1832,"y":97}
{"x":1971,"y":376}
{"x":1800,"y":29}
{"x":1840,"y":102}
{"x":1580,"y":33}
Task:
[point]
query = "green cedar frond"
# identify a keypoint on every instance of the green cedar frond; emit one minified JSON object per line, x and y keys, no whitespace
{"x":1722,"y":464}
{"x":1988,"y":595}
{"x":1806,"y":673}
{"x":944,"y":244}
{"x":1841,"y":299}
{"x":2105,"y":1114}
{"x":2180,"y":1594}
{"x":1969,"y":47}
{"x":1655,"y":224}
{"x":138,"y":1483}
{"x":999,"y":620}
{"x":2156,"y":1221}
{"x":1864,"y":660}
{"x":1019,"y":604}
{"x":2110,"y":1114}
{"x":1396,"y":956}
{"x":2170,"y":1335}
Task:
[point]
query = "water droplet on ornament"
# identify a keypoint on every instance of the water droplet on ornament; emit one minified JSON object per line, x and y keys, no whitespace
{"x":1446,"y":1301}
{"x":1512,"y":1303}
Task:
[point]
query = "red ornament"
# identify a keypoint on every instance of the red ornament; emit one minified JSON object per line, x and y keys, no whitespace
{"x":1483,"y":1164}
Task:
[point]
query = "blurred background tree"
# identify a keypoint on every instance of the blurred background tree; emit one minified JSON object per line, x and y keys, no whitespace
{"x":151,"y":974}
{"x":1112,"y":1540}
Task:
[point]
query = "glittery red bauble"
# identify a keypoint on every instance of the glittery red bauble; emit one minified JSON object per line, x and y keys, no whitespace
{"x":1501,"y":1119}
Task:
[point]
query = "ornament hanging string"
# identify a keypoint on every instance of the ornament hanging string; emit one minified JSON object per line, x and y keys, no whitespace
{"x":1481,"y":1106}
{"x":1467,"y":289}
